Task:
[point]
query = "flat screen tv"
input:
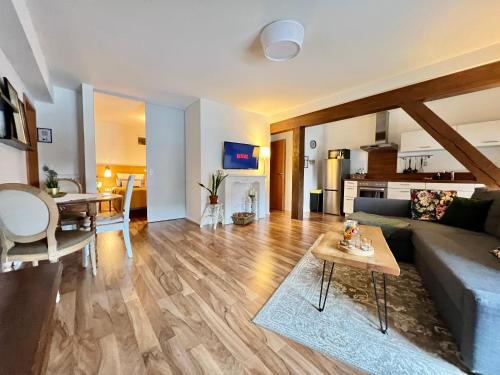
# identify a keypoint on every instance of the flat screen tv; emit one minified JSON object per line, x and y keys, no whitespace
{"x":240,"y":156}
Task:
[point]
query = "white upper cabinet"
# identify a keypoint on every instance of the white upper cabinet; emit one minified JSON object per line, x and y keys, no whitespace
{"x":418,"y":140}
{"x":481,"y":134}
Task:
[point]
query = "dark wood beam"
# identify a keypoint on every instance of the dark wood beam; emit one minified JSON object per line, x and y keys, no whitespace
{"x":32,"y":154}
{"x":298,"y":173}
{"x":471,"y":158}
{"x":466,"y":81}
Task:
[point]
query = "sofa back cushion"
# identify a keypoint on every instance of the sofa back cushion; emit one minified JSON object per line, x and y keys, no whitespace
{"x":430,"y":205}
{"x":467,"y":213}
{"x":492,"y":223}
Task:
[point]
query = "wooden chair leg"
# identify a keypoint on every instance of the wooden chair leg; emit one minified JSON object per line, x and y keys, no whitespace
{"x":126,"y":237}
{"x":93,"y":257}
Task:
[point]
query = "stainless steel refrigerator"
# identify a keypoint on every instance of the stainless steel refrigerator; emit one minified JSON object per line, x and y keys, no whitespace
{"x":334,"y":172}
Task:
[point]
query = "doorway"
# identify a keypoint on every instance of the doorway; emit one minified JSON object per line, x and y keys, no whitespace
{"x":120,"y":147}
{"x":277,"y":175}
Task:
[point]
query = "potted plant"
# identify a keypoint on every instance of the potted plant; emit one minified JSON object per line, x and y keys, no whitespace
{"x":51,"y":181}
{"x":216,"y":180}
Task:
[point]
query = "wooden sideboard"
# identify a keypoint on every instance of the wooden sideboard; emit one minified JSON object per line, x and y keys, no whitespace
{"x":27,"y":303}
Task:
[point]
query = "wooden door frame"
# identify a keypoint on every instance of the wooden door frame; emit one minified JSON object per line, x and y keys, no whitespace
{"x":32,"y":167}
{"x":410,"y":99}
{"x":283,"y":198}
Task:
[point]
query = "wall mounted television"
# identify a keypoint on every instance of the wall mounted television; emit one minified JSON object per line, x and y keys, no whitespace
{"x":240,"y":156}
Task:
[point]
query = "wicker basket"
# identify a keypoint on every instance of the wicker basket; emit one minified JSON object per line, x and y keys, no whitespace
{"x":243,"y":218}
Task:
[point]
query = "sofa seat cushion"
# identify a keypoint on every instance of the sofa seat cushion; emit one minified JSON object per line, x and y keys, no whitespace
{"x":459,"y":258}
{"x":392,"y":227}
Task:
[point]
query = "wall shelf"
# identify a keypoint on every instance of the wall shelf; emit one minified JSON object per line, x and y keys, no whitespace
{"x":13,"y":142}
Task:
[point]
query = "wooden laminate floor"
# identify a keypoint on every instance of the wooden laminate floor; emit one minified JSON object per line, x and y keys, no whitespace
{"x":184,"y":303}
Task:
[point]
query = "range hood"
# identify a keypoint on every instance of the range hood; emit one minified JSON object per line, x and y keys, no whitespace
{"x":381,"y":134}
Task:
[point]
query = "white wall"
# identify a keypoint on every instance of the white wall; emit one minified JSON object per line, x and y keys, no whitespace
{"x":166,"y":163}
{"x":218,"y":123}
{"x":352,"y":134}
{"x":12,"y":160}
{"x":193,"y":161}
{"x":88,"y":136}
{"x":63,"y":117}
{"x":117,"y":144}
{"x":313,"y":174}
{"x":288,"y":137}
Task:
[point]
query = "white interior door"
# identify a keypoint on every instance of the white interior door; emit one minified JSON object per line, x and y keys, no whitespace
{"x":165,"y":159}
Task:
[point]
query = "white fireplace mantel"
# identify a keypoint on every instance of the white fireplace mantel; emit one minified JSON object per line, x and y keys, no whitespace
{"x":235,"y":189}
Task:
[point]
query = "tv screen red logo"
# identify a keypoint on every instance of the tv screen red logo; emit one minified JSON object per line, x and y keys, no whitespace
{"x":242,"y":156}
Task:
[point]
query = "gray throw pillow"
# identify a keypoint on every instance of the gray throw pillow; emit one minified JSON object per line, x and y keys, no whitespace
{"x":492,"y":223}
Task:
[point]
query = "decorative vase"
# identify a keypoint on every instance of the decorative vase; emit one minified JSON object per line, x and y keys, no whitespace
{"x":350,"y":229}
{"x":213,"y":199}
{"x":52,"y":191}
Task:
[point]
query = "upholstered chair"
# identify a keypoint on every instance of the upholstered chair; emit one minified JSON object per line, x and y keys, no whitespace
{"x":72,"y":218}
{"x":107,"y":222}
{"x":70,"y":185}
{"x":28,"y":228}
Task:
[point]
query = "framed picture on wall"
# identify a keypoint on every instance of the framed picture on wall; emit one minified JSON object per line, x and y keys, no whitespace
{"x":4,"y":122}
{"x":44,"y":135}
{"x":22,"y":113}
{"x":17,"y":119}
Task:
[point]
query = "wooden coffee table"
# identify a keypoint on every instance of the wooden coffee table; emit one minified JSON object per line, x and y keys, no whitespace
{"x":382,"y":261}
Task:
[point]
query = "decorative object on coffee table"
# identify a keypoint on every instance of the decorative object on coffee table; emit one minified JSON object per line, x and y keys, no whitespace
{"x":216,"y":181}
{"x":51,"y":181}
{"x":243,"y":218}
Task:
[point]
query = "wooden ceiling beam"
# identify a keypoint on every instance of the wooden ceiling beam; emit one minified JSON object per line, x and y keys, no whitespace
{"x":470,"y":80}
{"x":471,"y":158}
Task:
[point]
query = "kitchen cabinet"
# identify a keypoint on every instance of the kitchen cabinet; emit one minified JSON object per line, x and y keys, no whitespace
{"x":402,"y":190}
{"x":418,"y":140}
{"x":350,"y":192}
{"x":463,"y":190}
{"x":481,"y":134}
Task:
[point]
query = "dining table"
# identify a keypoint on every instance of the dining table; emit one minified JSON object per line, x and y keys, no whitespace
{"x":85,"y":202}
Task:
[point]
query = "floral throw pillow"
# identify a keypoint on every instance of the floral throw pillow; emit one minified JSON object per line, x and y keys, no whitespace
{"x":430,"y":205}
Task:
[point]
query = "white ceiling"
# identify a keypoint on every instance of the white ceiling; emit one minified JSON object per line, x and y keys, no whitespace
{"x":174,"y":51}
{"x":110,"y":109}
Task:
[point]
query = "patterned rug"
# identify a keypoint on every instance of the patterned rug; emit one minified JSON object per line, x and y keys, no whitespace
{"x":348,"y":329}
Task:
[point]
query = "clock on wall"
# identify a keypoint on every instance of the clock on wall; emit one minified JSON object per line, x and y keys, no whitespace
{"x":313,"y":144}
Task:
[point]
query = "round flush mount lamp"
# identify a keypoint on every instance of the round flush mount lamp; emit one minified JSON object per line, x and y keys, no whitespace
{"x":282,"y":40}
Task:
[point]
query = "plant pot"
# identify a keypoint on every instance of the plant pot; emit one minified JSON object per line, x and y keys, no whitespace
{"x":52,"y":191}
{"x":213,"y":199}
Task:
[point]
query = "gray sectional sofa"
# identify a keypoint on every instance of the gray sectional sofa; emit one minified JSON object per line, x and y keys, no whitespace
{"x":458,"y":270}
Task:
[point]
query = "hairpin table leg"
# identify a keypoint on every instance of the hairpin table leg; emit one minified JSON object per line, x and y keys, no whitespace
{"x":383,"y":328}
{"x":321,"y":307}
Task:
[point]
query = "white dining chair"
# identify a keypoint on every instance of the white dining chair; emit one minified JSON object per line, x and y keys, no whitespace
{"x":28,"y":228}
{"x":107,"y":222}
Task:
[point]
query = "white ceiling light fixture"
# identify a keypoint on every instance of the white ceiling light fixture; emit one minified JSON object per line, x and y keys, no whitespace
{"x":282,"y":40}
